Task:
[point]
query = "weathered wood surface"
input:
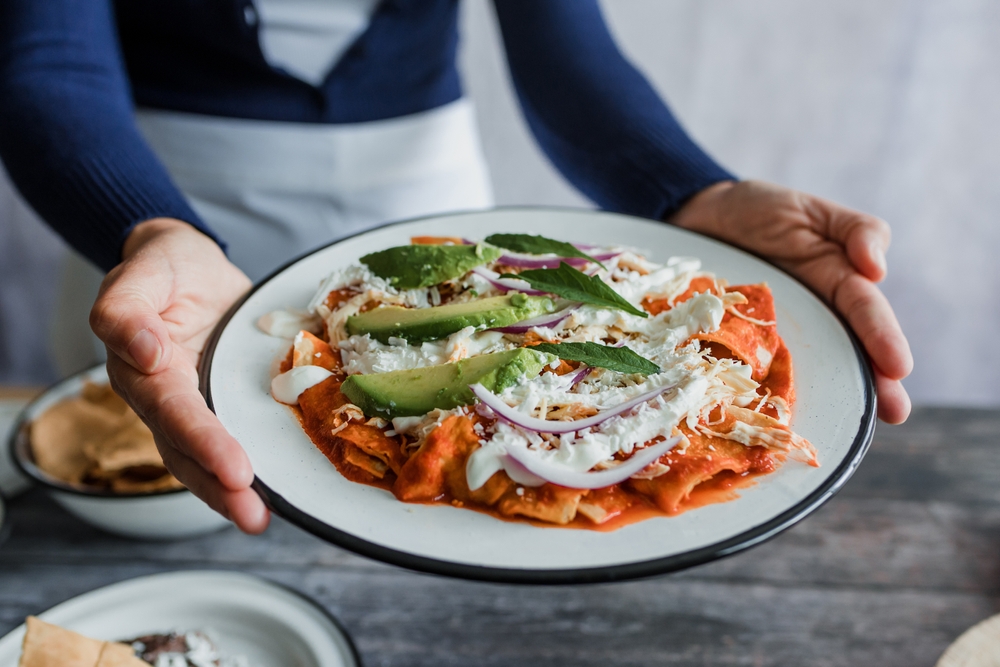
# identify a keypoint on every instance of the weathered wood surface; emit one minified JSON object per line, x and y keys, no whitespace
{"x":888,"y":573}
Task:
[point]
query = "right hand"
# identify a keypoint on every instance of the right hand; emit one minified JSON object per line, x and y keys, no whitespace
{"x":154,"y":313}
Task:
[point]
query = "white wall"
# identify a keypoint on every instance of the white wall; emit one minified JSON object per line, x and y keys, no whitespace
{"x":889,"y":106}
{"x":886,"y":105}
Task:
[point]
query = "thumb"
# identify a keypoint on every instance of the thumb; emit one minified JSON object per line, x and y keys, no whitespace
{"x":126,"y":315}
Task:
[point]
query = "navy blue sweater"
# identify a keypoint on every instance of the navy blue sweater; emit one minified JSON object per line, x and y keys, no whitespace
{"x":72,"y":71}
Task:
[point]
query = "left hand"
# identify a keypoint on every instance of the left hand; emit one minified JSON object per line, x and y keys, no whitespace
{"x":835,"y":250}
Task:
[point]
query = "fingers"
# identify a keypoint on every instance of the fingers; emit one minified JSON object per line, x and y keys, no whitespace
{"x":193,"y":443}
{"x":893,"y":401}
{"x":869,"y":314}
{"x":171,"y":406}
{"x":864,"y":238}
{"x":126,"y":315}
{"x":244,"y":507}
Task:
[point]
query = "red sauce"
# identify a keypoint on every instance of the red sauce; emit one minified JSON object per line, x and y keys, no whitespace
{"x":446,"y":465}
{"x":710,"y":470}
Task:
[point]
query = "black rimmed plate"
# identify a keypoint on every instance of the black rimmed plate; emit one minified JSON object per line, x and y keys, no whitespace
{"x":835,"y":410}
{"x":269,"y":624}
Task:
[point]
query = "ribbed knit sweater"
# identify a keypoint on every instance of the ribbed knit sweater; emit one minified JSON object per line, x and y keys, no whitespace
{"x":73,"y":71}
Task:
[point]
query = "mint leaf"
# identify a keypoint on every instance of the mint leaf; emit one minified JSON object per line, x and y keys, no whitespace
{"x":538,"y":245}
{"x":619,"y":359}
{"x":575,"y":285}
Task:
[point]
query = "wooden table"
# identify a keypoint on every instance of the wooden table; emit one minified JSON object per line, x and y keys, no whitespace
{"x":888,"y":573}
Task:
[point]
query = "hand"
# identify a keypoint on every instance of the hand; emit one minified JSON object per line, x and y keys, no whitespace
{"x":154,"y":313}
{"x":838,"y":252}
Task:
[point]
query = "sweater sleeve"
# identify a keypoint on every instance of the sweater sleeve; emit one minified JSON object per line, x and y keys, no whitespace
{"x":67,"y":132}
{"x":594,"y":114}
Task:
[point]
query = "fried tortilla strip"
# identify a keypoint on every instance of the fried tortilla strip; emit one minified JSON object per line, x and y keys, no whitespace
{"x":752,"y":342}
{"x":310,"y":350}
{"x":705,"y":457}
{"x":755,"y":428}
{"x":369,"y":448}
{"x":698,"y":285}
{"x":548,"y":502}
{"x":602,"y":505}
{"x":320,"y":405}
{"x":436,"y":240}
{"x":438,"y":467}
{"x":780,"y":380}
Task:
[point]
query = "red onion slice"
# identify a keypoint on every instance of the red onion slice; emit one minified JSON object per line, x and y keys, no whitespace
{"x":505,"y":284}
{"x":580,"y":374}
{"x":547,"y":320}
{"x":511,"y":415}
{"x":591,"y":480}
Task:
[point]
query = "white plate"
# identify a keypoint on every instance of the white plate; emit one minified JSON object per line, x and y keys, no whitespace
{"x":269,"y":624}
{"x":835,"y":410}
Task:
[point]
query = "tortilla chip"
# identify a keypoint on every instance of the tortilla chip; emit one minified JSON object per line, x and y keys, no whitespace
{"x":96,"y":440}
{"x":780,"y":380}
{"x":700,"y":285}
{"x":47,"y":645}
{"x":104,"y":396}
{"x":59,"y":433}
{"x":548,"y":502}
{"x":436,"y":240}
{"x":309,"y":350}
{"x":753,"y":343}
{"x":705,"y":457}
{"x":114,"y":654}
{"x":130,"y":447}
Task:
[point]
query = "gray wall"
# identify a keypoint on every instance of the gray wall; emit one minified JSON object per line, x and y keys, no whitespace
{"x":885,"y":105}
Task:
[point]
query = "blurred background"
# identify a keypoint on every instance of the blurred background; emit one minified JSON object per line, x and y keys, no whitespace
{"x":888,"y":106}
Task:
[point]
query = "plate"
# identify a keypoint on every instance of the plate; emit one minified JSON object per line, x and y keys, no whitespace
{"x":271,"y":625}
{"x":835,"y":410}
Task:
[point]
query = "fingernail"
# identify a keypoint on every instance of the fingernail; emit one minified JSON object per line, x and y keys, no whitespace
{"x":879,"y":256}
{"x":145,"y":350}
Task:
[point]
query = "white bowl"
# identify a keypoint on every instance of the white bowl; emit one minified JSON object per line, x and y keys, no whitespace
{"x":161,"y":515}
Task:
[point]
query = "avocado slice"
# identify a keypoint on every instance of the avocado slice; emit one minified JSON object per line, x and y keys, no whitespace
{"x":412,"y":266}
{"x":415,"y":392}
{"x":416,"y":325}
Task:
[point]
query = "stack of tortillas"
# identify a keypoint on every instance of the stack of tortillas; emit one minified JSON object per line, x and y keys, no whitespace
{"x":47,"y":645}
{"x":979,"y":646}
{"x":96,"y":440}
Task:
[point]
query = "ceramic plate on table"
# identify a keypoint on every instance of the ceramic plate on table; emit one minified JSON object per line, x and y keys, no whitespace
{"x":835,"y":410}
{"x":271,"y":625}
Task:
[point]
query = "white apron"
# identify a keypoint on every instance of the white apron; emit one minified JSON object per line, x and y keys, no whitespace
{"x":275,"y":190}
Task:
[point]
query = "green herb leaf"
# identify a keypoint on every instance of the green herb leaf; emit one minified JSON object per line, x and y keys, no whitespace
{"x":412,"y":266}
{"x":538,"y":245}
{"x":575,"y":285}
{"x":619,"y":359}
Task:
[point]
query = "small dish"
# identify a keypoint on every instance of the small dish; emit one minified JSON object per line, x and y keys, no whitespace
{"x":271,"y":625}
{"x":835,"y":410}
{"x":164,"y":515}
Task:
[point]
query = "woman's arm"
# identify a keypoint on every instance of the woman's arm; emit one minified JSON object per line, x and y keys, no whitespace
{"x":611,"y":135}
{"x":67,"y":133}
{"x":594,"y":114}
